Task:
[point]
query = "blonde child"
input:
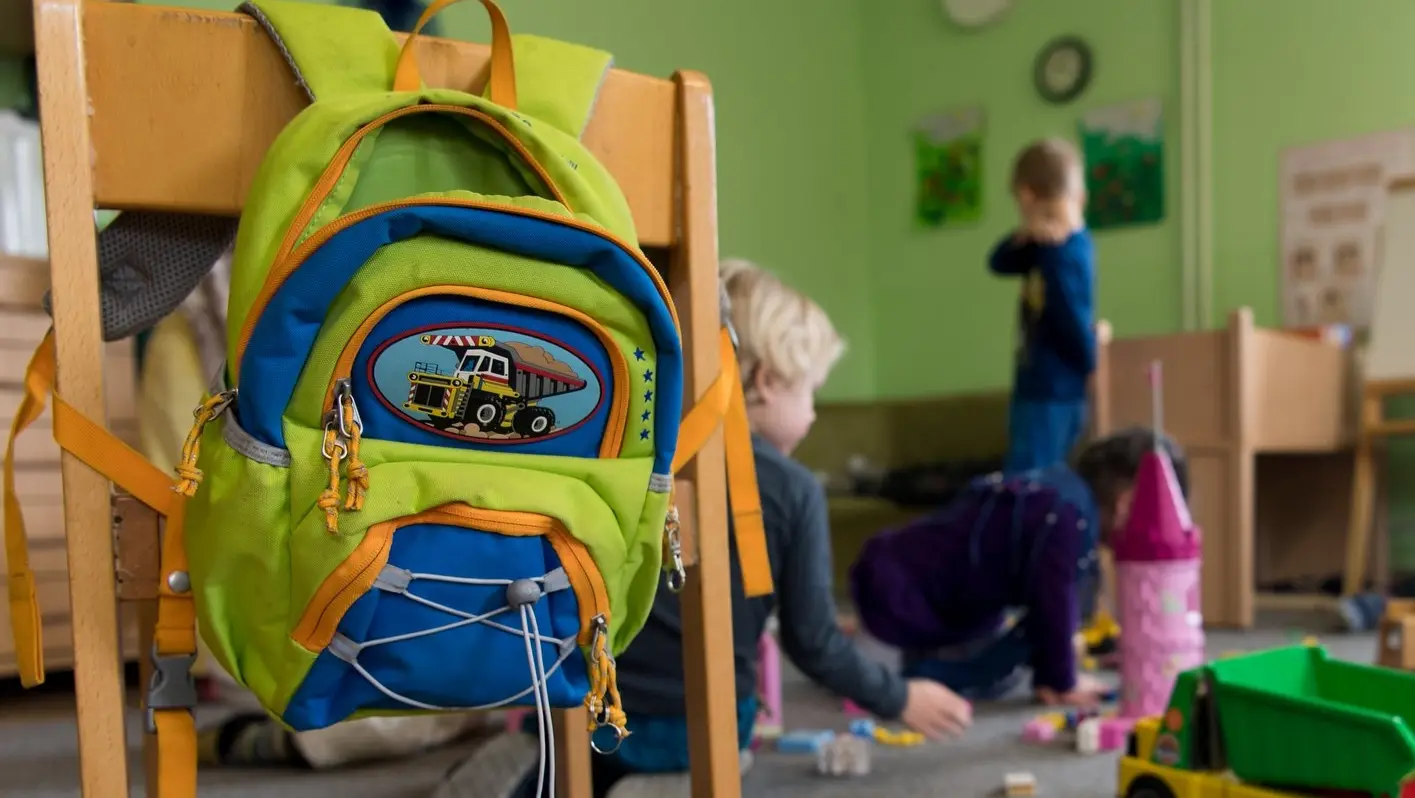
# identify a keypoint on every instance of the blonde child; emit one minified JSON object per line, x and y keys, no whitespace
{"x":787,"y":347}
{"x":1056,"y":350}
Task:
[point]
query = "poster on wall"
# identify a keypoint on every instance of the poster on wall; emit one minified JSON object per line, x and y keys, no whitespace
{"x":1123,"y":147}
{"x":948,"y":154}
{"x":1333,"y":203}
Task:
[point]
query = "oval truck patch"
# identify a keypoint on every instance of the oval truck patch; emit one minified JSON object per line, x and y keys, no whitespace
{"x":486,"y":383}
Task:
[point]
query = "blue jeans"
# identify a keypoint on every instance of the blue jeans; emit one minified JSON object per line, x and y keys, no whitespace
{"x":981,"y":671}
{"x":1042,"y":433}
{"x":658,"y":744}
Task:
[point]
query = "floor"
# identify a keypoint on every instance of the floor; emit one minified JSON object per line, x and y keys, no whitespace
{"x":38,"y":751}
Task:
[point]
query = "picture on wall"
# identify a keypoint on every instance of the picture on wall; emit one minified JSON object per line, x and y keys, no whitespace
{"x":1123,"y":146}
{"x":948,"y":151}
{"x":1333,"y":205}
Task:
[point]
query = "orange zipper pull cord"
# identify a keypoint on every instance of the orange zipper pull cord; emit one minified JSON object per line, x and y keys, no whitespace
{"x":602,"y":702}
{"x":673,"y":545}
{"x":189,"y":476}
{"x":334,"y":452}
{"x":357,"y":471}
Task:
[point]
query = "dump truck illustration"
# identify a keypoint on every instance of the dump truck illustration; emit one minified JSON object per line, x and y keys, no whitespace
{"x":1285,"y":722}
{"x":495,"y":386}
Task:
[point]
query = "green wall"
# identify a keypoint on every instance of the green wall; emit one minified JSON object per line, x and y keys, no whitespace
{"x":943,"y":323}
{"x":1288,"y":72}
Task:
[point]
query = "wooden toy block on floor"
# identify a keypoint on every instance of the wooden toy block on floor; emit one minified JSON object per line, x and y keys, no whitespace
{"x":804,"y":742}
{"x":1039,"y":730}
{"x":1397,"y":635}
{"x":1114,"y":733}
{"x":1088,"y":736}
{"x":1017,"y":785}
{"x":846,"y":755}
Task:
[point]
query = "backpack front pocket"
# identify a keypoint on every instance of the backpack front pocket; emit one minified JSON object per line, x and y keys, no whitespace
{"x":454,"y":608}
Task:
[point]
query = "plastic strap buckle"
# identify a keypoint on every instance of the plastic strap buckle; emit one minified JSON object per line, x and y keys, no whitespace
{"x":172,"y":685}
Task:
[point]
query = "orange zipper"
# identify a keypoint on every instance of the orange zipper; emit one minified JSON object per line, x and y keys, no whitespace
{"x":330,"y":177}
{"x":283,"y":268}
{"x":613,"y":439}
{"x":356,"y":575}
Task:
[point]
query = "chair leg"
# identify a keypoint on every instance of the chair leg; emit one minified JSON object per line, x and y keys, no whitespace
{"x":1363,"y":498}
{"x":572,"y":754}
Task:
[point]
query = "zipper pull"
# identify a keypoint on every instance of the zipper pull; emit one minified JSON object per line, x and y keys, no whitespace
{"x":207,"y":412}
{"x":351,"y":428}
{"x":334,"y":450}
{"x":673,"y":543}
{"x":602,"y":701}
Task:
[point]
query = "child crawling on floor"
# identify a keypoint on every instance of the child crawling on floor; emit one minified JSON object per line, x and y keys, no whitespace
{"x":997,"y":583}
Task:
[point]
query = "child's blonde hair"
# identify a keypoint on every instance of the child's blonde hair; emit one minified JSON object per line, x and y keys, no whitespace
{"x":778,"y":328}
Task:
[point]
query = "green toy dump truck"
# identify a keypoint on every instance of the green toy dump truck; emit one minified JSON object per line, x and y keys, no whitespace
{"x":1290,"y":721}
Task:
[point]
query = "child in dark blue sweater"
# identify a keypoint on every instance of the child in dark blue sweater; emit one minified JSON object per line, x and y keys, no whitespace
{"x":1053,"y":255}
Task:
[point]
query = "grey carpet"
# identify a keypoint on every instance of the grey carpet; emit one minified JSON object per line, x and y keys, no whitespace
{"x":38,"y":752}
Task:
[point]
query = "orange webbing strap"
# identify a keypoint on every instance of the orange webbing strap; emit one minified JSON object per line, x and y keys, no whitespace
{"x":24,"y":606}
{"x":724,"y":403}
{"x":172,"y":695}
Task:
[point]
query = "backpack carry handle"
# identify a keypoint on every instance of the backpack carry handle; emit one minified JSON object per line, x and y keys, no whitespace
{"x":503,"y":69}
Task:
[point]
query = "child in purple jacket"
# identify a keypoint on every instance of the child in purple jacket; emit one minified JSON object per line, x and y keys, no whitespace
{"x":1000,"y":579}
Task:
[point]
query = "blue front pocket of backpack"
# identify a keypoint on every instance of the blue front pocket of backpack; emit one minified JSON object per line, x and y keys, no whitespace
{"x":437,"y":629}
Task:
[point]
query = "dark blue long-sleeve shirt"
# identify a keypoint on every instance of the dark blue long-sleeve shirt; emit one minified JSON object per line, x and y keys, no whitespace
{"x":798,"y":542}
{"x":1056,"y":342}
{"x":1025,"y":542}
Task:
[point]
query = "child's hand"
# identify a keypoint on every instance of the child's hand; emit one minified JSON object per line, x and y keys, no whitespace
{"x":1087,"y":693}
{"x":935,"y":711}
{"x":1047,"y":230}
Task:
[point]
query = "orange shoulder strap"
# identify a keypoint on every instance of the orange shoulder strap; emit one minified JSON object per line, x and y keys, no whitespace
{"x":724,"y":403}
{"x":170,"y":696}
{"x":24,"y":606}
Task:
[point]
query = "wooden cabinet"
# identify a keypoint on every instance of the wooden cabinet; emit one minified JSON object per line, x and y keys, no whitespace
{"x":23,"y":324}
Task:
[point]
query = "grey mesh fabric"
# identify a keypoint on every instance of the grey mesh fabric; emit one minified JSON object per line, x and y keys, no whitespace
{"x":148,"y":263}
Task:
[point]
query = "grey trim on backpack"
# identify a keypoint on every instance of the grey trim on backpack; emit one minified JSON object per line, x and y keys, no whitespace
{"x":660,"y":483}
{"x":259,"y":16}
{"x":250,"y":448}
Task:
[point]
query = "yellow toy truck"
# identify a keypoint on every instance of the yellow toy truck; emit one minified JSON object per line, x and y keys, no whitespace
{"x":1275,"y":724}
{"x":491,"y":387}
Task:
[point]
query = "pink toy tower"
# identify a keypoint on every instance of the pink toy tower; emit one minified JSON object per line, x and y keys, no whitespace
{"x":1157,"y":559}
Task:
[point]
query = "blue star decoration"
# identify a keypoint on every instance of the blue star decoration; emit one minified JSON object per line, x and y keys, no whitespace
{"x":643,"y":434}
{"x":648,"y":396}
{"x":645,"y":416}
{"x":648,"y":375}
{"x":638,"y":354}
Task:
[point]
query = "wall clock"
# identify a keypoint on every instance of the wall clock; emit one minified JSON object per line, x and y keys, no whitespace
{"x":1063,"y":69}
{"x":974,"y":13}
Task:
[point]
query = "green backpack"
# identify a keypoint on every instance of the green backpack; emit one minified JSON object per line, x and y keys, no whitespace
{"x":438,"y":472}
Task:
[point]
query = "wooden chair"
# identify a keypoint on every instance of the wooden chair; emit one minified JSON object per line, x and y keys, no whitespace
{"x":150,"y":108}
